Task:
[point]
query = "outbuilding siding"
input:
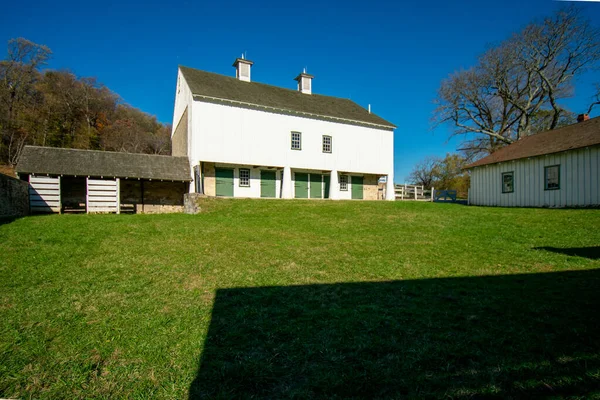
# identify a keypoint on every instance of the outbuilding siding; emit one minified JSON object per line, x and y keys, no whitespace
{"x":579,"y":181}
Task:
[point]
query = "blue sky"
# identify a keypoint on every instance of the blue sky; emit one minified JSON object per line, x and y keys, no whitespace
{"x":390,"y":54}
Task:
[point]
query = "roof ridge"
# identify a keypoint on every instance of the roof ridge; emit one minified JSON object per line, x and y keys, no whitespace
{"x":270,"y":85}
{"x":103,"y":151}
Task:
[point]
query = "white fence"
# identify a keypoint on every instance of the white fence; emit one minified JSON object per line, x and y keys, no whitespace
{"x":413,"y":192}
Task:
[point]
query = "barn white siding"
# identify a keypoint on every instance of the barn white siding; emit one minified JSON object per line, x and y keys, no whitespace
{"x":579,"y":181}
{"x":236,"y":135}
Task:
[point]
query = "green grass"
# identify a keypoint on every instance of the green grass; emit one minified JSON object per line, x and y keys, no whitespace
{"x":281,"y":299}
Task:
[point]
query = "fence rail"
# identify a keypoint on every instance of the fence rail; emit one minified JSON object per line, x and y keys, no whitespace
{"x":412,"y":192}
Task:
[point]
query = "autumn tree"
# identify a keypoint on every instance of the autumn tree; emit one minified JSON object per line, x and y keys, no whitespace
{"x":446,"y":173}
{"x":60,"y":109}
{"x":516,"y":88}
{"x":19,"y":98}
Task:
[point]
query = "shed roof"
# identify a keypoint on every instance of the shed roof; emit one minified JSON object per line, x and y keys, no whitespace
{"x":575,"y":136}
{"x":211,"y":85}
{"x":59,"y":161}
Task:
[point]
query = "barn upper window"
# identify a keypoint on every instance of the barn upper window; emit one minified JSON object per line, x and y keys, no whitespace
{"x":296,"y":141}
{"x":326,"y":144}
{"x":508,"y":182}
{"x":552,"y":177}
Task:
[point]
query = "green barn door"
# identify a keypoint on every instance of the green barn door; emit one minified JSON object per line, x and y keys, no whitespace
{"x":357,"y":187}
{"x":301,"y":186}
{"x":316,"y":186}
{"x":267,"y":183}
{"x":327,"y":182}
{"x":224,"y":182}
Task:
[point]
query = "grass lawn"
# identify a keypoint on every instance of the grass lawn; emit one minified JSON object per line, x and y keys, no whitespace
{"x":280,"y":299}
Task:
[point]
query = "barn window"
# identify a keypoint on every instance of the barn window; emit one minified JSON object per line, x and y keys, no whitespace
{"x":244,"y":177}
{"x":296,"y":141}
{"x":552,"y":177}
{"x":326,"y":144}
{"x":344,"y":182}
{"x":508,"y":182}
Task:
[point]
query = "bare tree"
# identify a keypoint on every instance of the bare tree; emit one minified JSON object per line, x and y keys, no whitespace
{"x":596,"y":99}
{"x":425,"y":172}
{"x":497,"y":101}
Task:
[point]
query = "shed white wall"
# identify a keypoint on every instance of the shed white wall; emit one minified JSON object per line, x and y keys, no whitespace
{"x":579,"y":181}
{"x":226,"y":134}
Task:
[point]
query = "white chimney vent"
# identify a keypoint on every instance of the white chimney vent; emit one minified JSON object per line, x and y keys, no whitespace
{"x":304,"y":82}
{"x":242,"y":68}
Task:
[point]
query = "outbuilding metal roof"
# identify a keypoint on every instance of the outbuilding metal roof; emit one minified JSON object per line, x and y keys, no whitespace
{"x":59,"y":161}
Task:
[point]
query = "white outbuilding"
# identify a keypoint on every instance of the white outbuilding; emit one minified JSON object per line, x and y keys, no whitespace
{"x":250,"y":139}
{"x":556,"y":168}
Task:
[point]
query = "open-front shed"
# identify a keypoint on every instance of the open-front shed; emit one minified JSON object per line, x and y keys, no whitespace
{"x":71,"y":180}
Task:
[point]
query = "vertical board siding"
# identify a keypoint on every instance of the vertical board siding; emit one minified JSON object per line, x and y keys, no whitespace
{"x":579,"y":181}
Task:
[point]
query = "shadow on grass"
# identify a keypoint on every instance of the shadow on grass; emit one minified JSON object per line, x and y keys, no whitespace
{"x":587,"y":252}
{"x":7,"y":220}
{"x":482,"y":337}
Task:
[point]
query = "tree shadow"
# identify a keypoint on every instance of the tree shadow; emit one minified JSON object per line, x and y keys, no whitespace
{"x":7,"y":220}
{"x":482,"y":337}
{"x":592,"y":252}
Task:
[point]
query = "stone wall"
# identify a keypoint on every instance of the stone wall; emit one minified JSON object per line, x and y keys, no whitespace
{"x":370,"y":187}
{"x":14,"y":197}
{"x":179,"y":140}
{"x":210,"y":182}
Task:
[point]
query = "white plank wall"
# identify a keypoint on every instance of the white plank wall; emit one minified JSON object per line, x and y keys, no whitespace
{"x":103,"y":195}
{"x":579,"y":181}
{"x":44,"y":194}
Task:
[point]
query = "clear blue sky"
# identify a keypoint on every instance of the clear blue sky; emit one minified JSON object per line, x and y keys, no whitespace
{"x":390,"y":54}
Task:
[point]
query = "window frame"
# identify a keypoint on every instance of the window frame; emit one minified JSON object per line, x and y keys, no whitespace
{"x":240,"y":177}
{"x":330,"y":144}
{"x":342,"y":189}
{"x":512,"y":174}
{"x":546,"y":177}
{"x":299,"y":140}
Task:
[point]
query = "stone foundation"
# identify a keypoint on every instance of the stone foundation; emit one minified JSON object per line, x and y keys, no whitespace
{"x":370,"y":187}
{"x":210,"y":182}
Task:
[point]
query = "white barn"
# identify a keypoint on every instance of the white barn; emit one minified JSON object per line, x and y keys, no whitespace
{"x":557,"y":168}
{"x":249,"y":139}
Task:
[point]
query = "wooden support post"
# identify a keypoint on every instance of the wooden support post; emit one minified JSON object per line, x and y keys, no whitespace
{"x":118,"y":196}
{"x":416,"y":191}
{"x":87,"y":195}
{"x":59,"y":196}
{"x":432,"y":193}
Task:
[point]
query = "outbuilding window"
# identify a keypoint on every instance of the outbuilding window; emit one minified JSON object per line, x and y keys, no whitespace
{"x":552,"y":177}
{"x":244,"y":177}
{"x":326,"y":144}
{"x":296,"y":141}
{"x":344,"y":183}
{"x":508,"y":182}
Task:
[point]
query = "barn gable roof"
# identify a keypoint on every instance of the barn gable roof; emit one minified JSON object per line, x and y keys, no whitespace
{"x":575,"y":136}
{"x":59,"y":161}
{"x":210,"y":86}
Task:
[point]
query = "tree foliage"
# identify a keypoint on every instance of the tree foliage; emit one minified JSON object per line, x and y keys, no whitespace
{"x":442,"y":173}
{"x":59,"y":109}
{"x":515,"y":88}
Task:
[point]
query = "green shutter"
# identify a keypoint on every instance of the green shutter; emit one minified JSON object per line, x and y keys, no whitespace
{"x":301,"y":185}
{"x":357,"y":187}
{"x":316,"y":186}
{"x":224,"y":178}
{"x":327,"y":181}
{"x":267,"y":183}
